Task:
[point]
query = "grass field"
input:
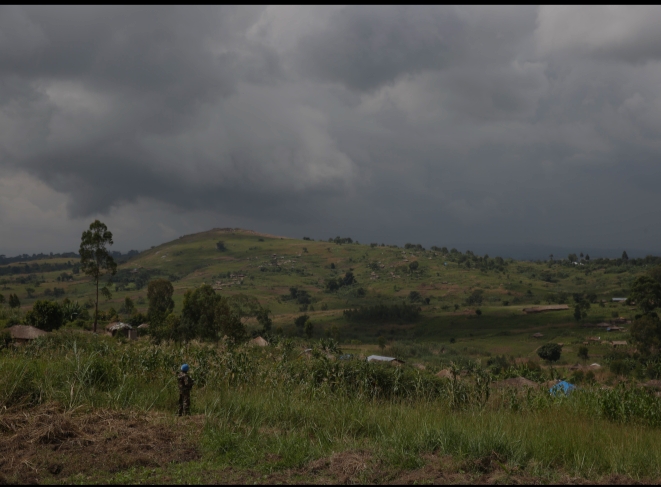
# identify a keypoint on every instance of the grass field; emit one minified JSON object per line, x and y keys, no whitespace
{"x":81,"y":408}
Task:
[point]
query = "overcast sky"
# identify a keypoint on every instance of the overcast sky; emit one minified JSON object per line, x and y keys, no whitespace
{"x":487,"y":125}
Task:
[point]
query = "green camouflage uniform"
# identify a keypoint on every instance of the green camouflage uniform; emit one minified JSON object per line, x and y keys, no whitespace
{"x":185,"y":385}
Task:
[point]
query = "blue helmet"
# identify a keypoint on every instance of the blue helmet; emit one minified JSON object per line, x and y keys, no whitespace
{"x":184,"y":368}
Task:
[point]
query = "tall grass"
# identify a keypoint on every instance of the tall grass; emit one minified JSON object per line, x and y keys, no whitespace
{"x":272,"y":401}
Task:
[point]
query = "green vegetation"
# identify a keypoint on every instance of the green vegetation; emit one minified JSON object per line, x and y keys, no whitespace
{"x":272,"y":409}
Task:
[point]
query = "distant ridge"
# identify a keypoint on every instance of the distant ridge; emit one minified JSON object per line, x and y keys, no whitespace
{"x":235,"y":230}
{"x":542,"y":252}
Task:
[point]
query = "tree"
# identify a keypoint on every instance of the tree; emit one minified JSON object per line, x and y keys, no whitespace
{"x":577,"y":313}
{"x":30,"y":292}
{"x":2,"y":299}
{"x":349,"y":279}
{"x":264,"y":320}
{"x":415,"y":297}
{"x":128,"y":307}
{"x":572,"y":257}
{"x":646,"y":332}
{"x":550,"y":352}
{"x":414,"y":265}
{"x":587,"y":256}
{"x":198,"y":315}
{"x":309,"y":329}
{"x":95,"y":260}
{"x":655,"y":274}
{"x":582,"y":305}
{"x":228,"y":323}
{"x":220,"y":245}
{"x":71,"y":310}
{"x":159,"y":295}
{"x":625,"y":257}
{"x":14,"y":302}
{"x":300,"y":321}
{"x":45,"y":315}
{"x":583,"y":352}
{"x":382,"y":342}
{"x":646,"y":293}
{"x":333,"y":285}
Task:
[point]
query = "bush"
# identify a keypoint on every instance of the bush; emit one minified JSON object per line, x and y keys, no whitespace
{"x":550,"y":352}
{"x":45,"y":315}
{"x":415,"y":297}
{"x":583,"y":352}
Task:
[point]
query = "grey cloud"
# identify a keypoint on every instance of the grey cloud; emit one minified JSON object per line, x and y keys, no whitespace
{"x":364,"y":47}
{"x":434,"y":124}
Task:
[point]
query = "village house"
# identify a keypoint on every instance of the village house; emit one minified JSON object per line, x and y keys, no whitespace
{"x":122,"y":329}
{"x":25,"y":333}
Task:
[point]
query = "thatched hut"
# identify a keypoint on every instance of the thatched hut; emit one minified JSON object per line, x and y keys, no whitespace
{"x":258,"y":342}
{"x":444,"y":374}
{"x":25,"y":333}
{"x":122,"y":329}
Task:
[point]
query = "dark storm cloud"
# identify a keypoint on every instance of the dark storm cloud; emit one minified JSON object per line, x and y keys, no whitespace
{"x":436,"y":124}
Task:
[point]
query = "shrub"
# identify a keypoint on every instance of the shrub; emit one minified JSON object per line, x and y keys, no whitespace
{"x":583,"y":352}
{"x":45,"y":315}
{"x":415,"y":297}
{"x":550,"y":352}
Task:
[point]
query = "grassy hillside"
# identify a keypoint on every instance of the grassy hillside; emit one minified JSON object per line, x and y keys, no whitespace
{"x":267,"y":266}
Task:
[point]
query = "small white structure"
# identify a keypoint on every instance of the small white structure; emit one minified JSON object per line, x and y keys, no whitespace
{"x":379,"y":358}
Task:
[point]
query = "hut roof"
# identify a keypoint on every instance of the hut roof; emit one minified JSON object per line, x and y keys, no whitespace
{"x":538,"y":335}
{"x":118,"y":325}
{"x":444,"y":374}
{"x":619,"y":342}
{"x":258,"y":342}
{"x":25,"y":332}
{"x":144,"y":325}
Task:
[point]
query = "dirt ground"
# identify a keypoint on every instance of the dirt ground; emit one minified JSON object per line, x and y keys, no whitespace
{"x":46,"y":443}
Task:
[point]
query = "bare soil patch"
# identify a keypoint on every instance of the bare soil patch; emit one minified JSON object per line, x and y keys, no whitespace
{"x":47,"y":442}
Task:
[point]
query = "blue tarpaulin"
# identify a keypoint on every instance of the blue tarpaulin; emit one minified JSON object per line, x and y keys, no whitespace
{"x":562,"y":386}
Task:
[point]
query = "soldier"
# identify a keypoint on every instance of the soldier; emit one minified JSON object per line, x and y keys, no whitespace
{"x":185,"y":385}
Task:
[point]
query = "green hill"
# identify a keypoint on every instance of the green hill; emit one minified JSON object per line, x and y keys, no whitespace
{"x":268,"y":267}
